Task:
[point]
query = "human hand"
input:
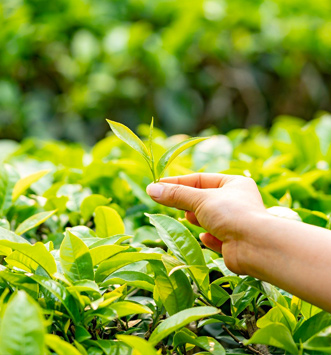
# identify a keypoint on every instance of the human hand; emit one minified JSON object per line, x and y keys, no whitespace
{"x":224,"y":205}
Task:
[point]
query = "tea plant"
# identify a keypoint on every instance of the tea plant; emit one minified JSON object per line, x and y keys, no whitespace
{"x":157,"y":169}
{"x":90,"y":265}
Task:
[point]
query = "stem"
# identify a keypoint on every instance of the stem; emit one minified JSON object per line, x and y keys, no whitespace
{"x":240,"y":342}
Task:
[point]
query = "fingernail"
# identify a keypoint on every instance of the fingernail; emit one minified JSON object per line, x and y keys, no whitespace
{"x":155,"y":190}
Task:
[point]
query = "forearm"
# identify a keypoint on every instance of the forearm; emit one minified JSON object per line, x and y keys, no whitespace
{"x":293,"y":256}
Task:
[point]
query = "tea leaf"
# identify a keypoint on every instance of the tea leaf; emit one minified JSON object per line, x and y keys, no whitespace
{"x":207,"y":343}
{"x":90,"y":203}
{"x":141,"y":346}
{"x":126,"y":308}
{"x":104,"y":252}
{"x":179,"y":320}
{"x":75,"y":258}
{"x":275,"y":334}
{"x":178,"y":239}
{"x":173,"y":153}
{"x":174,"y":291}
{"x":22,"y":329}
{"x":130,"y":278}
{"x":37,"y":252}
{"x":108,"y":222}
{"x":33,"y":221}
{"x":127,"y":136}
{"x":60,"y":346}
{"x":23,"y":184}
{"x":109,"y":266}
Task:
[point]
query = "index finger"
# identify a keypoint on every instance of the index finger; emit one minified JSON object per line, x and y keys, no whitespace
{"x":200,"y":180}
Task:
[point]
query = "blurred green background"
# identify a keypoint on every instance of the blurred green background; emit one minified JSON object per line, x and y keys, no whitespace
{"x":66,"y":65}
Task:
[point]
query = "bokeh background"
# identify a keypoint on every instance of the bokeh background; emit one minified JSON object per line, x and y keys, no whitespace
{"x":66,"y":65}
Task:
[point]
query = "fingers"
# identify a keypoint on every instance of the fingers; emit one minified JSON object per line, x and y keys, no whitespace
{"x":200,"y":180}
{"x":191,"y":217}
{"x":178,"y":196}
{"x":211,"y":242}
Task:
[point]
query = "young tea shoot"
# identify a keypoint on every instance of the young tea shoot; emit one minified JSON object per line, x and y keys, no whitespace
{"x":157,"y":168}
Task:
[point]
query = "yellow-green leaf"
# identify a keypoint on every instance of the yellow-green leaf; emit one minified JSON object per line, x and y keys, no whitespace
{"x":141,"y":346}
{"x":33,"y":221}
{"x":75,"y":258}
{"x":23,"y":184}
{"x":108,"y":222}
{"x":173,"y":153}
{"x":127,"y":136}
{"x":60,"y":346}
{"x":104,"y":252}
{"x":37,"y":252}
{"x":22,"y":329}
{"x":125,"y":308}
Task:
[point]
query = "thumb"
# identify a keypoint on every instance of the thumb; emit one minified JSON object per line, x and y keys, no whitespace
{"x":173,"y":195}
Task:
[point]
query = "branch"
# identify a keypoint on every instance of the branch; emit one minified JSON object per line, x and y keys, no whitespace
{"x":255,"y":351}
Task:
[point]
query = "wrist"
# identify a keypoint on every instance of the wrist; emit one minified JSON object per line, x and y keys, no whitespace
{"x":254,"y":243}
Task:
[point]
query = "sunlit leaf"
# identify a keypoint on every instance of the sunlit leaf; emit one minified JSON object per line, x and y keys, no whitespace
{"x":24,"y":183}
{"x":33,"y":221}
{"x":173,"y":152}
{"x":127,"y":136}
{"x":75,"y":258}
{"x":179,"y":320}
{"x":108,"y":222}
{"x":22,"y":328}
{"x":275,"y":334}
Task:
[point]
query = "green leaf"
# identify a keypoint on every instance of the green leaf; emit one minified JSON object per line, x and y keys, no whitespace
{"x":278,"y":314}
{"x":21,"y":261}
{"x":33,"y":221}
{"x":127,"y":136}
{"x":86,"y":234}
{"x":8,"y":178}
{"x":22,"y":330}
{"x":75,"y":258}
{"x":108,"y":222}
{"x":126,"y":308}
{"x":90,"y":203}
{"x":61,"y":293}
{"x":141,"y":346}
{"x":9,"y":236}
{"x":179,"y":320}
{"x":173,"y":153}
{"x":178,"y":239}
{"x":312,"y":326}
{"x":82,"y":334}
{"x":23,"y":184}
{"x":308,"y":310}
{"x":275,"y":334}
{"x":21,"y":282}
{"x":218,"y":295}
{"x":184,"y":246}
{"x":185,"y":336}
{"x":109,"y":266}
{"x":175,"y":291}
{"x":320,"y":342}
{"x":37,"y":252}
{"x":114,"y":240}
{"x":60,"y":346}
{"x":130,"y":278}
{"x":104,"y":252}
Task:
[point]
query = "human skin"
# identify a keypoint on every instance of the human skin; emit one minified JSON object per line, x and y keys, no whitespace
{"x":289,"y":254}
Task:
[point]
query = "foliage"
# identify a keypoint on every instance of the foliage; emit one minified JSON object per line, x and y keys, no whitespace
{"x":91,"y":265}
{"x":157,"y":168}
{"x":191,"y":63}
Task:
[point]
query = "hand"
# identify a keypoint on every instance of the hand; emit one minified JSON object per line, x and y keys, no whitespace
{"x":224,"y":205}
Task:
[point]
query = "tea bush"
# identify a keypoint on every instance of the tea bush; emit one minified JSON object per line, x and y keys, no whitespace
{"x":91,"y":265}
